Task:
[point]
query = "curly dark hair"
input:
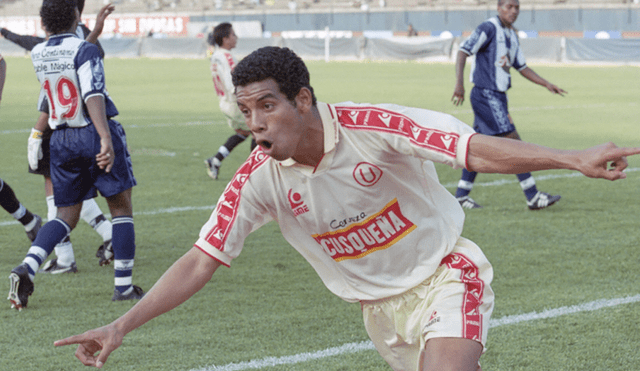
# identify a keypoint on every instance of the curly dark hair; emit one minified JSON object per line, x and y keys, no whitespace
{"x":280,"y":64}
{"x":58,"y":16}
{"x":220,"y":32}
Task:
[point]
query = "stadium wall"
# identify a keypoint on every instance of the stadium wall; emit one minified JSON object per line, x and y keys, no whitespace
{"x":557,"y":49}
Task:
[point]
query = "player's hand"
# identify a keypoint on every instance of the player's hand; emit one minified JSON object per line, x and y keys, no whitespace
{"x":104,"y":12}
{"x":556,"y":90}
{"x":106,"y":157}
{"x":94,"y":346}
{"x":458,"y":95}
{"x":34,"y":148}
{"x":606,"y":161}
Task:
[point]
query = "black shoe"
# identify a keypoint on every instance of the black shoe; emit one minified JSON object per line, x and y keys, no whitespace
{"x":105,"y":253}
{"x":135,"y":294}
{"x":53,"y":267}
{"x":33,"y":233}
{"x":542,"y":200}
{"x":21,"y":287}
{"x":468,"y":203}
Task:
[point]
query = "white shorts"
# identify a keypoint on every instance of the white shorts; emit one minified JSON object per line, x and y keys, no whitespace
{"x":456,"y":301}
{"x":235,"y":118}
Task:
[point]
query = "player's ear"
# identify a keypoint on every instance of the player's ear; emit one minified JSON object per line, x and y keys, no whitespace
{"x":304,"y":99}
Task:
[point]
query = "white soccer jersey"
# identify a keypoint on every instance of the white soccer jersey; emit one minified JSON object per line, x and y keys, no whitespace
{"x":372,"y":218}
{"x":70,"y":71}
{"x":497,"y":49}
{"x":222,"y":63}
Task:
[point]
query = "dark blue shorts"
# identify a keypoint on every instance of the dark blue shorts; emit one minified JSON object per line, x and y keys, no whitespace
{"x":490,"y":111}
{"x":74,"y":172}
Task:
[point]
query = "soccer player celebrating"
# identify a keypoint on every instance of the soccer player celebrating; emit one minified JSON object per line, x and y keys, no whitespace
{"x":222,"y":63}
{"x":354,"y":190}
{"x":88,"y":149}
{"x":495,"y":44}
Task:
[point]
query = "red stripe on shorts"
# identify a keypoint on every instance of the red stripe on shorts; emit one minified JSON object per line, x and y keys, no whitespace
{"x":471,"y":317}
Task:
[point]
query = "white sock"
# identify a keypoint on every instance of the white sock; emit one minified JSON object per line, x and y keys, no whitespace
{"x":92,"y":214}
{"x":64,"y":252}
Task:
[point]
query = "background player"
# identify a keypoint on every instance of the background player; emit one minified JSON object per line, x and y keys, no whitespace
{"x":88,"y":149}
{"x":8,"y":200}
{"x":403,"y":257}
{"x":495,"y":44}
{"x":91,"y":213}
{"x":222,"y":63}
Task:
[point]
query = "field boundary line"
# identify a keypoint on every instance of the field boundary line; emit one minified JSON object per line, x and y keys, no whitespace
{"x":494,"y":183}
{"x":368,"y":345}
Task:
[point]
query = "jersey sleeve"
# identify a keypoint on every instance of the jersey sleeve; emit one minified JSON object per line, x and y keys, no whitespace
{"x":519,"y":63}
{"x":90,"y":71}
{"x":240,"y":210}
{"x":480,"y":37}
{"x":428,"y":135}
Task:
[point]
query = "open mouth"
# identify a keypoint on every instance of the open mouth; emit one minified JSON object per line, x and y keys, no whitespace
{"x":265,"y":144}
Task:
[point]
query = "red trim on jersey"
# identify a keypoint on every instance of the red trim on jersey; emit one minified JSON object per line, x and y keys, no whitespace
{"x":466,"y":158}
{"x":471,"y":317}
{"x":230,"y":60}
{"x":212,"y":257}
{"x":227,"y":209}
{"x":381,"y":120}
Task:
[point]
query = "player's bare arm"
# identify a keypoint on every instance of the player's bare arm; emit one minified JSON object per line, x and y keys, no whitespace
{"x":97,"y":112}
{"x":458,"y":91}
{"x":3,"y":74}
{"x":532,"y":76}
{"x":488,"y":154}
{"x":100,"y":18}
{"x":182,"y":280}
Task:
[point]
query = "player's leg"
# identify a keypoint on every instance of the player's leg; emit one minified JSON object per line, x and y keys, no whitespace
{"x":9,"y":202}
{"x":117,"y":187}
{"x":92,"y":214}
{"x":22,"y":277}
{"x":465,"y":185}
{"x":124,"y":246}
{"x":451,"y":354}
{"x":535,"y":199}
{"x":65,"y":260}
{"x":214,"y":163}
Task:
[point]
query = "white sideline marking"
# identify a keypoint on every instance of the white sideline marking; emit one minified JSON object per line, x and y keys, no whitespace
{"x":500,"y":182}
{"x":368,"y":345}
{"x":494,"y":183}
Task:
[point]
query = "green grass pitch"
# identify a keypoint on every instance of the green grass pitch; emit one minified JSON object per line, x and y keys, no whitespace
{"x":270,"y":303}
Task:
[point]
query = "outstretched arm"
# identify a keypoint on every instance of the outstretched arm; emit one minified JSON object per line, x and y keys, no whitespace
{"x":181,"y":281}
{"x":3,"y":74}
{"x":458,"y":91}
{"x":488,"y":154}
{"x":97,"y":29}
{"x":532,"y":76}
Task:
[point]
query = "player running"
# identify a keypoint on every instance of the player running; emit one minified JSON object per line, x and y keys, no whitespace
{"x":354,"y":190}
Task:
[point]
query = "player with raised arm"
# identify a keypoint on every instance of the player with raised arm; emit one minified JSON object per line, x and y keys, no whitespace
{"x":497,"y":49}
{"x":88,"y":149}
{"x":64,"y":262}
{"x":222,"y":63}
{"x":424,"y":289}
